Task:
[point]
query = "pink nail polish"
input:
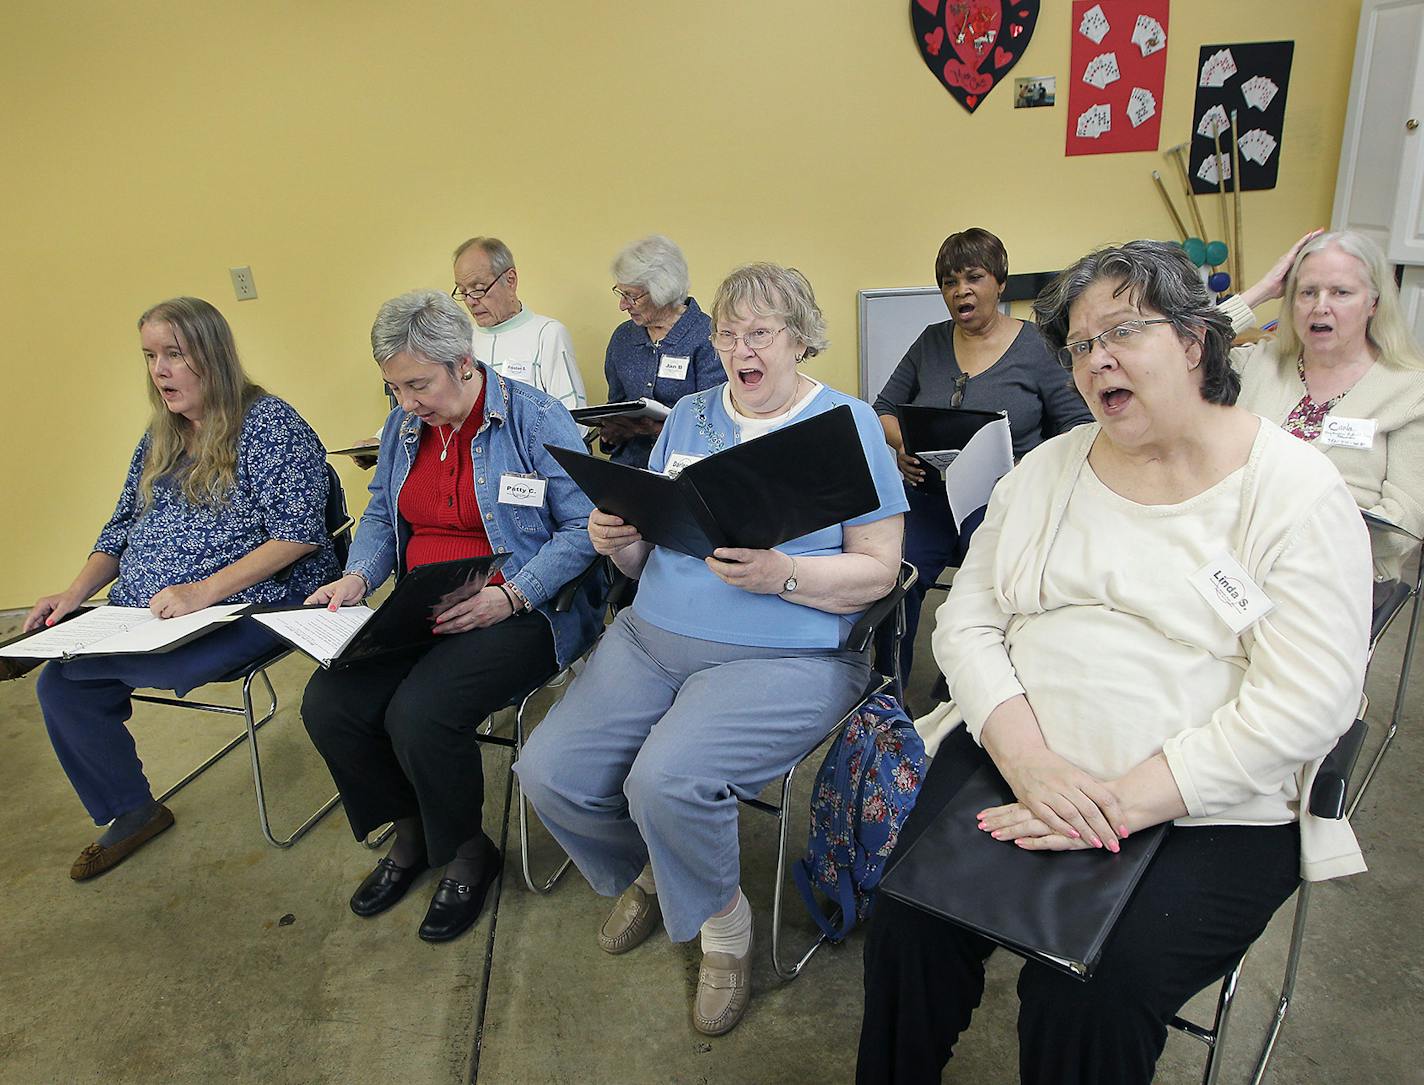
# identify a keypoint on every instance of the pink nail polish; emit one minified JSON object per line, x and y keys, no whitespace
{"x":1097,"y":843}
{"x":1075,"y":834}
{"x":1113,"y":847}
{"x":1122,"y":831}
{"x":995,"y":834}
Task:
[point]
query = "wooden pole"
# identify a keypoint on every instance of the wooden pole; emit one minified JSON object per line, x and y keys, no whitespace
{"x":1176,"y":153}
{"x":1176,"y":218}
{"x":1226,"y":236}
{"x":1236,"y":198}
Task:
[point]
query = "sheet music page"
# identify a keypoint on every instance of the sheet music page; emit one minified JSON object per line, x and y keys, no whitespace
{"x":320,"y":633}
{"x":161,"y":632}
{"x":74,"y":635}
{"x":987,"y":457}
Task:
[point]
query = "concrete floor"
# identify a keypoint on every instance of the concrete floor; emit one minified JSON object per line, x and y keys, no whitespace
{"x":213,"y":956}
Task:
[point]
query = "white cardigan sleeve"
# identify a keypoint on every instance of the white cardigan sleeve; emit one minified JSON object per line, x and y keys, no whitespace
{"x":1303,"y":678}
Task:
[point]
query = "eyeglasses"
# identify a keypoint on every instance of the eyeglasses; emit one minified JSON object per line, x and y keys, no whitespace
{"x":756,"y":339}
{"x":475,"y":293}
{"x":958,"y":395}
{"x":1127,"y":334}
{"x":631,"y":299}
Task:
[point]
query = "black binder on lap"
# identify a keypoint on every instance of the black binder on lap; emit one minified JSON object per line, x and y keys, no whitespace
{"x":1057,"y":908}
{"x":795,"y":480}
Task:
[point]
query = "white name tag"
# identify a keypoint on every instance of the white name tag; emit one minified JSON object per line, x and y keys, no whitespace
{"x":521,"y":369}
{"x":678,"y":461}
{"x":1340,"y":432}
{"x":674,"y":368}
{"x":1231,"y":592}
{"x":522,"y":490}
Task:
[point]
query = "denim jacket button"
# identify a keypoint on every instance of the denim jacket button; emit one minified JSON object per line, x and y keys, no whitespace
{"x":482,"y":480}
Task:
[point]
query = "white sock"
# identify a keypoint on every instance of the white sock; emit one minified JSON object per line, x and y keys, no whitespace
{"x":644,"y":881}
{"x":730,"y":933}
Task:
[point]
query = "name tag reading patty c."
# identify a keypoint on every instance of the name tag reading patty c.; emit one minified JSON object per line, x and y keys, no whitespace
{"x":522,"y":490}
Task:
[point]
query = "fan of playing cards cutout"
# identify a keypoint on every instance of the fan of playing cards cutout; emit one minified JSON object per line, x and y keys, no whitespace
{"x":1117,"y":70}
{"x":970,"y":45}
{"x":1248,"y":79}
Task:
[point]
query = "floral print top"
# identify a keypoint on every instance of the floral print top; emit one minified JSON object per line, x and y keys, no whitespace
{"x":1307,"y":416}
{"x":280,"y":493}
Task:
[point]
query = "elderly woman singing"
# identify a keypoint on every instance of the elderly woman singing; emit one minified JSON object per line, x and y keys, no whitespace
{"x":723,"y":673}
{"x":224,"y":502}
{"x":1089,"y":655}
{"x":397,"y":731}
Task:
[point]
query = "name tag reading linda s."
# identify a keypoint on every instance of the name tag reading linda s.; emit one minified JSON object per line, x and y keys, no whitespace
{"x":519,"y":369}
{"x":522,"y":490}
{"x":678,"y":461}
{"x":1338,"y":431}
{"x":1230,"y":591}
{"x":674,"y":368}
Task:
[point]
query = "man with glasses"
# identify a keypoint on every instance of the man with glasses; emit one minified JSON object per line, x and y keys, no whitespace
{"x":516,"y":342}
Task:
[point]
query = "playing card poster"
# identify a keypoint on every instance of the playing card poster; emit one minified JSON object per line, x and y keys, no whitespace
{"x":1251,"y":79}
{"x":1116,"y":71}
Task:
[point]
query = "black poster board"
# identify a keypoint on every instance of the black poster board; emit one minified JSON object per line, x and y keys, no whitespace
{"x":1264,"y":61}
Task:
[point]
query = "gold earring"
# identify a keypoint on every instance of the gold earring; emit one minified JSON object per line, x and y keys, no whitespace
{"x":468,"y":374}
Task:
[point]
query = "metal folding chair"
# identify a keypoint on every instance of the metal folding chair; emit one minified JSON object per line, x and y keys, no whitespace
{"x":339,"y":526}
{"x":1327,"y":800}
{"x":890,"y":608}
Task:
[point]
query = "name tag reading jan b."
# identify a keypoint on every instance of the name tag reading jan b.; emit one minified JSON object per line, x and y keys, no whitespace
{"x":1230,"y":591}
{"x":672,"y":368}
{"x":522,"y":490}
{"x":1338,"y":431}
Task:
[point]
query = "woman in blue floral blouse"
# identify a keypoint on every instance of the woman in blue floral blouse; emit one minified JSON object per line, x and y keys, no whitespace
{"x":224,"y":502}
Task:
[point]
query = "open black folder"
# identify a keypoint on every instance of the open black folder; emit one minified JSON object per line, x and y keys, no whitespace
{"x":1057,"y":908}
{"x":407,"y":617}
{"x":939,"y":429}
{"x":798,"y":479}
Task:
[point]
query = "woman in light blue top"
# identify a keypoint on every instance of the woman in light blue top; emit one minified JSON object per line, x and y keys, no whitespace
{"x":723,"y":673}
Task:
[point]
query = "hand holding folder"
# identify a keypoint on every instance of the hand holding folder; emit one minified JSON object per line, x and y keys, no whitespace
{"x":795,"y":480}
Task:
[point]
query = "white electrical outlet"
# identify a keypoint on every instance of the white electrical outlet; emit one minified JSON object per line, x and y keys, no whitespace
{"x":242,"y":283}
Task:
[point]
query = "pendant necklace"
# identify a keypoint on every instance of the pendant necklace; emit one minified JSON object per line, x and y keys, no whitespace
{"x":445,"y":441}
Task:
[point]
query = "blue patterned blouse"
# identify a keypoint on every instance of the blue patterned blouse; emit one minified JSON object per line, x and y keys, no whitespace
{"x":280,"y":494}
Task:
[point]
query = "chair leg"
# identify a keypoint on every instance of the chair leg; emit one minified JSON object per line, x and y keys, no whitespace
{"x":786,"y":971}
{"x":1224,"y":1001}
{"x":534,"y":884}
{"x":1399,"y":692}
{"x":249,"y":716}
{"x":1287,"y":985}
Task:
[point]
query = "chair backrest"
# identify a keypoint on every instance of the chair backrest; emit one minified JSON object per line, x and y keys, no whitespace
{"x":339,"y":524}
{"x":889,"y":607}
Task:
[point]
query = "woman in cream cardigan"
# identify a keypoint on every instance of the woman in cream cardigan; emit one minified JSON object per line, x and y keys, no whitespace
{"x":1344,"y":374}
{"x":1114,"y":689}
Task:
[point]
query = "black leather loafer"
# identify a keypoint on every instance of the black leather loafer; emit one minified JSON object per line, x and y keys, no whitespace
{"x":455,"y":905}
{"x":384,"y":886}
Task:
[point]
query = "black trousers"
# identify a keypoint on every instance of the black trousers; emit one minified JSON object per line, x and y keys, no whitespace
{"x":397,"y":732}
{"x":1207,"y":896}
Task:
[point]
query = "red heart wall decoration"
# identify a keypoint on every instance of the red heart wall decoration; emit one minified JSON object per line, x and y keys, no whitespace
{"x":986,"y":39}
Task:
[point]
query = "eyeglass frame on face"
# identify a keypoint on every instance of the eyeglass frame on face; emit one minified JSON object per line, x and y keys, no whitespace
{"x":768,"y":335}
{"x":631,"y":299}
{"x":1069,"y":359}
{"x":461,"y":293}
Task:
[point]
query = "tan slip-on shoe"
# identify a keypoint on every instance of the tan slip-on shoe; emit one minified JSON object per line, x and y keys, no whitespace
{"x":635,"y":915}
{"x":724,"y":987}
{"x":97,"y":858}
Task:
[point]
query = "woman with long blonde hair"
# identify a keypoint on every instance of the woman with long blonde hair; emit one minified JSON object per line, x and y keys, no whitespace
{"x":224,"y":502}
{"x":1345,"y":374}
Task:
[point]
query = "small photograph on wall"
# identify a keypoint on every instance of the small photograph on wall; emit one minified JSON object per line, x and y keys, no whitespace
{"x":1034,"y":91}
{"x":1250,"y":80}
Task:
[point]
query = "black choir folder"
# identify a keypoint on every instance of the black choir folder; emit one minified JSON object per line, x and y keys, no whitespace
{"x":795,"y":480}
{"x":935,"y":431}
{"x":337,"y":639}
{"x":1057,"y":908}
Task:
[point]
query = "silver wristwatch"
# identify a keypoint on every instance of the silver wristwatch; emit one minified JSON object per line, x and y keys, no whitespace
{"x":790,"y":585}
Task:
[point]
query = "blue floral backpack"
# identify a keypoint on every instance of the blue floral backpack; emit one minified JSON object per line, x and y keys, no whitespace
{"x":864,"y":791}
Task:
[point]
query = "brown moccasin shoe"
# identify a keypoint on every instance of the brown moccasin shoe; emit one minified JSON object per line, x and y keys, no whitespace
{"x":635,"y":915}
{"x":96,"y":858}
{"x":724,"y":987}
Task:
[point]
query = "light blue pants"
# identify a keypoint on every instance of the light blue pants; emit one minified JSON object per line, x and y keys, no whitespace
{"x":644,"y":758}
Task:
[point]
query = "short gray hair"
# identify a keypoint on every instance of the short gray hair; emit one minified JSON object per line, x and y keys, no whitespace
{"x":657,"y":265}
{"x":429,"y":324}
{"x":500,"y":258}
{"x":1158,"y":277}
{"x":771,"y":290}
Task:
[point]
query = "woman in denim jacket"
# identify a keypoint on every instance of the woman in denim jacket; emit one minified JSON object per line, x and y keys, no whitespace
{"x":462,"y":471}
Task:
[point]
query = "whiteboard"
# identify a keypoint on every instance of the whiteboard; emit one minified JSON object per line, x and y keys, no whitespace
{"x":890,"y":320}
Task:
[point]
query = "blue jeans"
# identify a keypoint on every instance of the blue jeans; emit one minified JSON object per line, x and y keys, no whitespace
{"x":86,"y":703}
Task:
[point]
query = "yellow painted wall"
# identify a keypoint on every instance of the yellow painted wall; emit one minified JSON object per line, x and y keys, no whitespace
{"x":342,"y":149}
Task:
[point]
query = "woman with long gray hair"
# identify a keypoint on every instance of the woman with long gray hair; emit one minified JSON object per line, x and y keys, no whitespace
{"x":397,"y":731}
{"x":226,"y":490}
{"x":1092,"y":661}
